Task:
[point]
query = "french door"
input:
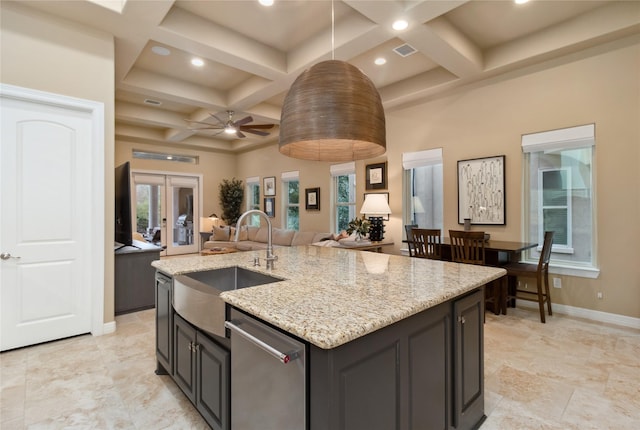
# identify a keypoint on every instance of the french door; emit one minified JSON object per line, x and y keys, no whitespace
{"x":166,"y":210}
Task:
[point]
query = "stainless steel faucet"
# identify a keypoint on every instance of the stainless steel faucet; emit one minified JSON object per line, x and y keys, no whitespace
{"x":270,"y":257}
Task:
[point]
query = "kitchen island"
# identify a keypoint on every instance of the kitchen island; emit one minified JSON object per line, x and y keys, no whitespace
{"x":391,"y":341}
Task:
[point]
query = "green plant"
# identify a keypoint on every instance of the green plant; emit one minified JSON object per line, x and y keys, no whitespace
{"x":231,"y":196}
{"x":359,"y":225}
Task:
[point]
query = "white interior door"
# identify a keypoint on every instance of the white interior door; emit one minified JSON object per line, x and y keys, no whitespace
{"x":46,"y":221}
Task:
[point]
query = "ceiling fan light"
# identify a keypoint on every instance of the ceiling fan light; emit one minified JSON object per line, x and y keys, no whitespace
{"x":332,"y":112}
{"x":230,"y":129}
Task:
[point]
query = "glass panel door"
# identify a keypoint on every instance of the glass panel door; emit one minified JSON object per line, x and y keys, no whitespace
{"x":166,"y":209}
{"x":150,"y":217}
{"x":182,"y":207}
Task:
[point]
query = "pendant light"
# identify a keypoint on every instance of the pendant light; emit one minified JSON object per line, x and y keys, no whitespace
{"x":332,"y":112}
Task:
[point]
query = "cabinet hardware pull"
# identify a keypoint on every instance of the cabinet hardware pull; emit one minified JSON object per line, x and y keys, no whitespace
{"x":281,"y":356}
{"x":461,"y":319}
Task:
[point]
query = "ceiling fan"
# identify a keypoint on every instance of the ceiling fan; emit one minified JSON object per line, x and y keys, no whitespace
{"x":231,"y":127}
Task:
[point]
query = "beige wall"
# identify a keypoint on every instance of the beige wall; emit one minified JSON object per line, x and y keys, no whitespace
{"x":489,"y":118}
{"x":58,"y":56}
{"x":600,"y":86}
{"x":268,"y":161}
{"x":214,"y":167}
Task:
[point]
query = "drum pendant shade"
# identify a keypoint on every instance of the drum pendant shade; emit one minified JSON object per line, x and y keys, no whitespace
{"x":332,"y":112}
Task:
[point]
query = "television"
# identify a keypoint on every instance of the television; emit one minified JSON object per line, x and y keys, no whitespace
{"x":124,"y":226}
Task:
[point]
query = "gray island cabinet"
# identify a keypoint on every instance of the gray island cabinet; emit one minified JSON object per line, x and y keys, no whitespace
{"x":390,"y":342}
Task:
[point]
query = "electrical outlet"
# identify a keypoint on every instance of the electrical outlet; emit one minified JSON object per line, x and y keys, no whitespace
{"x":557,"y":283}
{"x":599,"y":295}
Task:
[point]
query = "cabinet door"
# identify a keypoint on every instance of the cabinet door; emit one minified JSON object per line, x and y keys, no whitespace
{"x":164,"y":326}
{"x":184,"y":345}
{"x":468,"y":314}
{"x":430,"y":371}
{"x":212,"y":398}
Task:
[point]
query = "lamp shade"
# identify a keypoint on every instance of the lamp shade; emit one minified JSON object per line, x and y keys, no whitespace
{"x":375,"y":204}
{"x":207,"y":223}
{"x":332,"y":112}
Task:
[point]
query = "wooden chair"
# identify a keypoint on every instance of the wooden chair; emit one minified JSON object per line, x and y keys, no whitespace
{"x":540,"y":272}
{"x":407,"y":229}
{"x":426,"y":243}
{"x":468,"y":247}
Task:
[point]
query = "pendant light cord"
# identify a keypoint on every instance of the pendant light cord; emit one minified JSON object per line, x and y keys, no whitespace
{"x":333,"y":32}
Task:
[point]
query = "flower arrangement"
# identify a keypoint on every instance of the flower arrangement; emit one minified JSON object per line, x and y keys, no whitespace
{"x":360,"y":226}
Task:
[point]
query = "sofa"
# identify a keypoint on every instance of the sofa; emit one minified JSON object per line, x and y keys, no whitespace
{"x":255,"y":238}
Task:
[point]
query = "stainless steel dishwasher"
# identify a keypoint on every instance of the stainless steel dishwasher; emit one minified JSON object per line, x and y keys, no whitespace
{"x":268,"y":382}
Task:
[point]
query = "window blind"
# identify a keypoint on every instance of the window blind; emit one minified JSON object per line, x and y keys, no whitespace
{"x":561,"y":139}
{"x":430,"y":157}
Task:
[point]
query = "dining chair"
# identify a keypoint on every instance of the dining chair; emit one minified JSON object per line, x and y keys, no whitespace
{"x":468,"y":247}
{"x":426,"y":243}
{"x":407,"y":229}
{"x":540,"y":272}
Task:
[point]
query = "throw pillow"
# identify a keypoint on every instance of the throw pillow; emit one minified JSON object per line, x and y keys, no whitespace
{"x":221,"y":233}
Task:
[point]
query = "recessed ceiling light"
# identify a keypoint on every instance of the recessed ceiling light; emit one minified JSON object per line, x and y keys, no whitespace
{"x":521,"y":1}
{"x":197,"y":62}
{"x":266,"y":2}
{"x":400,"y":24}
{"x":160,"y":50}
{"x":380,"y":61}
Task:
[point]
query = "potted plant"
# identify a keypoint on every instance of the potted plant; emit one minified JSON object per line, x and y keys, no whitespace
{"x":231,"y":196}
{"x":360,"y":226}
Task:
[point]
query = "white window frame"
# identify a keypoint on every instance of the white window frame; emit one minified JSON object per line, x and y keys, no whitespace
{"x":559,"y":248}
{"x":579,"y":137}
{"x":337,"y":171}
{"x":414,"y":160}
{"x":287,"y":177}
{"x":253,"y":186}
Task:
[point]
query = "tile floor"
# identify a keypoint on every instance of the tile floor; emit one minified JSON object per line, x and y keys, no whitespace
{"x":566,"y":374}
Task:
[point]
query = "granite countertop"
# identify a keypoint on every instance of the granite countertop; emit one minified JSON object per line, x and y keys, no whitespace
{"x":331,"y":296}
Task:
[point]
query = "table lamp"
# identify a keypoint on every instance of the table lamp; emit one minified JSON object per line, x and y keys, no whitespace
{"x":207,"y":223}
{"x":375,"y":206}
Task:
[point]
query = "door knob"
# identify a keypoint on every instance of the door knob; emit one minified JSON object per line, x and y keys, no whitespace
{"x":6,"y":256}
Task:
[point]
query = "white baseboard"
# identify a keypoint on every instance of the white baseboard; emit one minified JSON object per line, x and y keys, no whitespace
{"x":605,"y":317}
{"x":109,"y":327}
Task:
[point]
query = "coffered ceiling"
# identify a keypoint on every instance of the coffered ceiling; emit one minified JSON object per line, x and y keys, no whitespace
{"x":252,"y":53}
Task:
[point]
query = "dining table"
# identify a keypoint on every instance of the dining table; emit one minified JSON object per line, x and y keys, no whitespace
{"x":497,"y":253}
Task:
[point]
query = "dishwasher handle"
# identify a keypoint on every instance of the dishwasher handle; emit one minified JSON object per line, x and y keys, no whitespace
{"x":284,"y":358}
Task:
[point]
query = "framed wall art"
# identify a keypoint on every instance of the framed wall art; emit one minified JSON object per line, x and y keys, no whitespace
{"x":312,"y":199}
{"x":376,"y":176}
{"x":270,"y":206}
{"x":481,"y":191}
{"x":269,"y":185}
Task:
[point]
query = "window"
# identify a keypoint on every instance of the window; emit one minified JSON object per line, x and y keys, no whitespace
{"x":344,"y":195}
{"x":423,"y":189}
{"x":253,"y":199}
{"x":291,"y":186}
{"x":559,"y":195}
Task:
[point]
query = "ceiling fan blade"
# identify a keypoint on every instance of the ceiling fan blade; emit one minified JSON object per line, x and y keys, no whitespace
{"x":258,"y":132}
{"x":240,"y":134}
{"x":266,"y":126}
{"x":243,"y":121}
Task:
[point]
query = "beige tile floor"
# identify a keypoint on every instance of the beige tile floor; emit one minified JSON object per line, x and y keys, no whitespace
{"x":566,"y":374}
